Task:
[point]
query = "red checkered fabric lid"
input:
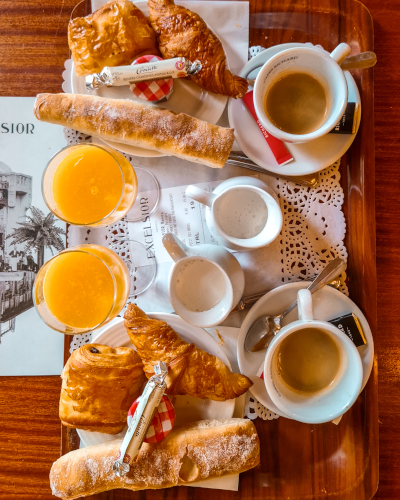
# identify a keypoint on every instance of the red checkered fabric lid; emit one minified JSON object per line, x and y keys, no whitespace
{"x":162,"y":423}
{"x":154,"y":90}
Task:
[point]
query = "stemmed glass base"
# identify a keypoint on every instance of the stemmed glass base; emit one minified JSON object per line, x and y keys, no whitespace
{"x":140,"y":262}
{"x":148,"y":195}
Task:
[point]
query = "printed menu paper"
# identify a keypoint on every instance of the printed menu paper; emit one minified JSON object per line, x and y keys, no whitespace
{"x":177,"y":214}
{"x":27,"y":345}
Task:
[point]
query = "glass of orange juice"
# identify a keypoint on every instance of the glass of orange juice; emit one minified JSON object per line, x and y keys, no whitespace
{"x":89,"y":185}
{"x":81,"y":289}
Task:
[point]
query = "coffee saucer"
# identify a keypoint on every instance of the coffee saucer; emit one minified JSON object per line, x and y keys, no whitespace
{"x":328,"y":304}
{"x":309,"y":157}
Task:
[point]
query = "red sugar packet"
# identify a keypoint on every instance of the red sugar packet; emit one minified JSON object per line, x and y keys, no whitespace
{"x":277,"y":147}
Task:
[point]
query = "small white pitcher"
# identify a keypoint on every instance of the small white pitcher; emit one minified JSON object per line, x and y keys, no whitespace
{"x":227,"y":265}
{"x":271,"y":229}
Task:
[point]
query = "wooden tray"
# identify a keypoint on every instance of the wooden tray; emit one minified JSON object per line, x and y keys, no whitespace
{"x":300,"y":461}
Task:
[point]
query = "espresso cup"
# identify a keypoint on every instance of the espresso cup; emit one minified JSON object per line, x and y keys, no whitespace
{"x":328,"y":403}
{"x":199,"y":289}
{"x":217,"y":218}
{"x":324,"y":67}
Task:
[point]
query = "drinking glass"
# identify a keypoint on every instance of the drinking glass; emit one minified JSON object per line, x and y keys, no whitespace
{"x":74,"y":196}
{"x":81,"y":289}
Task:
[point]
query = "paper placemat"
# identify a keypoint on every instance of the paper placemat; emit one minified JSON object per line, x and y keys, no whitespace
{"x":27,"y":345}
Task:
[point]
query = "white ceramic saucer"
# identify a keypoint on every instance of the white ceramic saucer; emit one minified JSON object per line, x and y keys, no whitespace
{"x":187,"y":408}
{"x":328,"y":303}
{"x":308,"y":157}
{"x":187,"y":98}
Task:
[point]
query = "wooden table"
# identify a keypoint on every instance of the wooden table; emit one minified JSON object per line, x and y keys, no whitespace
{"x":33,"y":48}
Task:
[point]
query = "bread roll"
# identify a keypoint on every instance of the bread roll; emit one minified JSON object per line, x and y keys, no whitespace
{"x":137,"y":124}
{"x":99,"y":385}
{"x":113,"y":35}
{"x":190,"y":453}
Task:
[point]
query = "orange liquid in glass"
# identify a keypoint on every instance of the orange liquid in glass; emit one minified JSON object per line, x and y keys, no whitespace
{"x":82,"y":291}
{"x":93,"y":186}
{"x":87,"y":185}
{"x":79,"y":290}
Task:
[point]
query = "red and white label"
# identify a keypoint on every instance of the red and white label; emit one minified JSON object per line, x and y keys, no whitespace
{"x":277,"y":147}
{"x":162,"y":423}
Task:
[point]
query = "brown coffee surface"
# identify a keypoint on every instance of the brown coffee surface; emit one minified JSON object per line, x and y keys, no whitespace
{"x":308,"y":360}
{"x":297,"y":103}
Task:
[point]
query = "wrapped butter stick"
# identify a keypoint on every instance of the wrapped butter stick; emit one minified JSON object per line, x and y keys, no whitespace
{"x":179,"y":67}
{"x":141,"y":420}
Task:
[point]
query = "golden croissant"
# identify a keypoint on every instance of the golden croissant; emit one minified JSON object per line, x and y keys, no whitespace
{"x":182,"y":33}
{"x":190,"y":370}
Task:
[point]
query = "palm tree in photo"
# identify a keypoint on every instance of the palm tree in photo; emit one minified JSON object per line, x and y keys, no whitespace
{"x":38,"y":232}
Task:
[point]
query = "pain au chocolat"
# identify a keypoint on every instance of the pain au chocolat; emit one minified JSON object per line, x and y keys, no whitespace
{"x":99,"y":384}
{"x":113,"y":35}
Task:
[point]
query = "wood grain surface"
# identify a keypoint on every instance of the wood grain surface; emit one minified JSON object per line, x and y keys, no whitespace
{"x":33,"y":49}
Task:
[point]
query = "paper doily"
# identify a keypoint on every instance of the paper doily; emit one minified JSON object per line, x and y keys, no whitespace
{"x":306,"y":247}
{"x":312,"y":235}
{"x":254,"y":409}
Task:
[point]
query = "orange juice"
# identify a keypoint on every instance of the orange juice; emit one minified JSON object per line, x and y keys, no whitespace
{"x":120,"y":273}
{"x":89,"y":185}
{"x":81,"y":288}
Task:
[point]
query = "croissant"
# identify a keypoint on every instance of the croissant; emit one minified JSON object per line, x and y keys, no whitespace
{"x":190,"y":370}
{"x":99,"y":384}
{"x":182,"y":33}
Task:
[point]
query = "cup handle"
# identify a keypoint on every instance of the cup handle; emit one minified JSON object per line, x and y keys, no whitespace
{"x":203,"y":197}
{"x":305,"y":305}
{"x":175,"y":247}
{"x":341,"y":52}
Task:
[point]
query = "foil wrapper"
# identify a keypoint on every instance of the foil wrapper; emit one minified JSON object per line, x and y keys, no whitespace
{"x":141,"y":420}
{"x":179,"y":67}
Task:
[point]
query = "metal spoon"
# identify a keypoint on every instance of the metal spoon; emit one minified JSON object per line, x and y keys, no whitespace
{"x":359,"y":61}
{"x":263,"y":330}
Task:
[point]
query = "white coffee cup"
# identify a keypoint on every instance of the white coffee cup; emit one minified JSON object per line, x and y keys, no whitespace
{"x":207,"y":318}
{"x":321,"y":65}
{"x":214,"y":216}
{"x":326,"y":404}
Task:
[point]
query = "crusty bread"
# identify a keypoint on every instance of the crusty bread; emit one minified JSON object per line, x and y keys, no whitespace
{"x":137,"y":124}
{"x":190,"y":453}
